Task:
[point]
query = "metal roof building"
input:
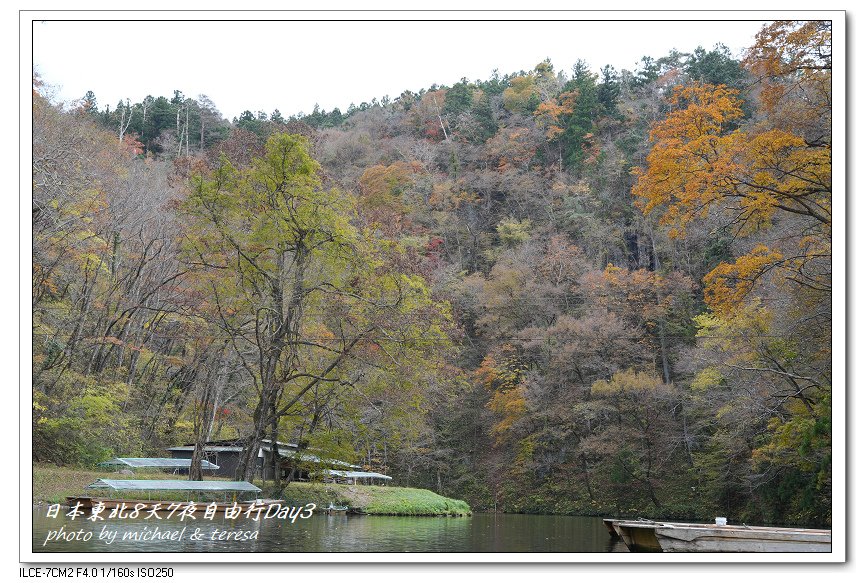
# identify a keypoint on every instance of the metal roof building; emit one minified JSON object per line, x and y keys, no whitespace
{"x":156,"y":462}
{"x":355,"y":476}
{"x":184,"y":485}
{"x":226,"y":454}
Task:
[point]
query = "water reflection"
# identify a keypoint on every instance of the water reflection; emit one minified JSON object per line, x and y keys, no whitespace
{"x":320,"y":533}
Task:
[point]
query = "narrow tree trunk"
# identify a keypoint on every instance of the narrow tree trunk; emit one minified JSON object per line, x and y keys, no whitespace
{"x":274,"y":451}
{"x":201,"y":413}
{"x":441,"y":123}
{"x":662,"y":336}
{"x":588,"y":482}
{"x":186,"y":131}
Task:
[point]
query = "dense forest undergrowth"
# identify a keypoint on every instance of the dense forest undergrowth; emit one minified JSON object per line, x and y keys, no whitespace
{"x":544,"y":292}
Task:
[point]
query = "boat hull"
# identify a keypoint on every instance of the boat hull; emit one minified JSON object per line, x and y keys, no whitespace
{"x":639,"y":537}
{"x":648,"y":536}
{"x":335,"y":509}
{"x":731,"y":539}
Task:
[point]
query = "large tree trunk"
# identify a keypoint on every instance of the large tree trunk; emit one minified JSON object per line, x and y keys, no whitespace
{"x":197,"y":457}
{"x":205,"y":410}
{"x":249,"y":455}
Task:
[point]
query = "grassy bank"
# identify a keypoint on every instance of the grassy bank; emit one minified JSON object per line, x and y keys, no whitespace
{"x":390,"y":500}
{"x":52,"y":484}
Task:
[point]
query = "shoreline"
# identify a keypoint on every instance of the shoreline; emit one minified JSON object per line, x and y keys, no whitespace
{"x":53,"y":484}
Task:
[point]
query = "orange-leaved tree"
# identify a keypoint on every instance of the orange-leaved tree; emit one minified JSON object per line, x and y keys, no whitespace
{"x":701,"y":163}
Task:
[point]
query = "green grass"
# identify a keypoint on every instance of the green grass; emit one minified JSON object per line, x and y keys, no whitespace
{"x":52,"y":484}
{"x":383,"y":500}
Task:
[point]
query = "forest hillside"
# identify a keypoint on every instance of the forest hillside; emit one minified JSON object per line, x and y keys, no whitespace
{"x":550,"y":291}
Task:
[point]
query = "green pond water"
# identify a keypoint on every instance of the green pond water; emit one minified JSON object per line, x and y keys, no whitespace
{"x":480,"y":533}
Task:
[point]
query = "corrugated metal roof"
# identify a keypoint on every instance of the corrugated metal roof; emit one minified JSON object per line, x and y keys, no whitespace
{"x":207,"y":448}
{"x":266,"y":446}
{"x":156,"y":462}
{"x":281,"y":444}
{"x":305,"y":457}
{"x":193,"y":485}
{"x":230,"y":445}
{"x":347,"y":474}
{"x":308,"y":457}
